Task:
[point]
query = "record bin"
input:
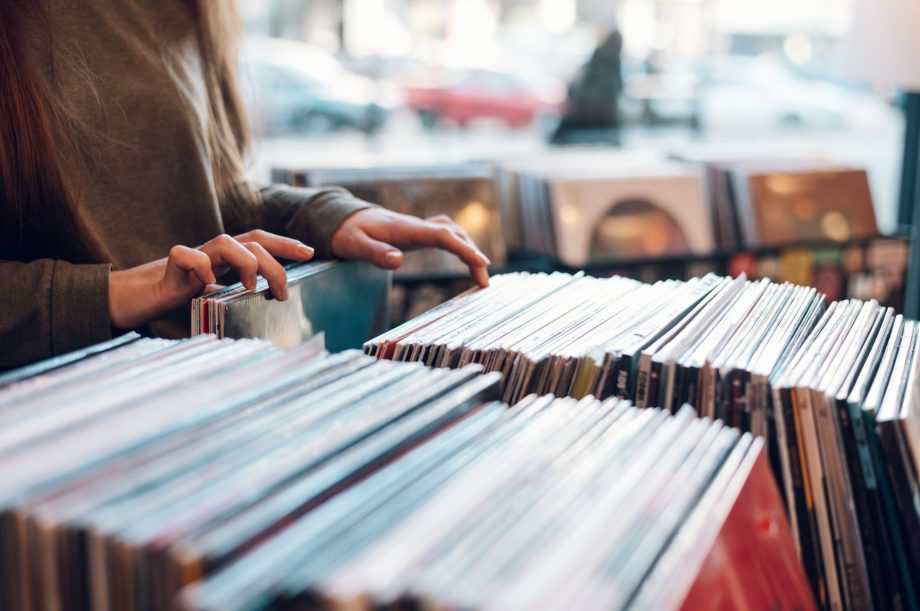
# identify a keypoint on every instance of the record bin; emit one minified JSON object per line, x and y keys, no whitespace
{"x":348,"y":301}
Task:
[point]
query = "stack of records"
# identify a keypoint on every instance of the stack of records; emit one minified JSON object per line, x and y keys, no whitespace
{"x":223,"y":475}
{"x":590,"y":209}
{"x":134,"y":472}
{"x":776,"y":201}
{"x":464,"y":192}
{"x":555,"y":504}
{"x":348,"y":301}
{"x":832,"y":391}
{"x":862,"y":269}
{"x":848,"y":415}
{"x":662,"y":344}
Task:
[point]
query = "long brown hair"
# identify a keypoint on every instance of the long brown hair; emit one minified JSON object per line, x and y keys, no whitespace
{"x":38,"y":139}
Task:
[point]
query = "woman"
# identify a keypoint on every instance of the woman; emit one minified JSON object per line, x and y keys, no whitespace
{"x":122,"y":135}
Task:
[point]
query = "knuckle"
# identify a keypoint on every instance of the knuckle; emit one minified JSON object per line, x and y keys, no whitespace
{"x":224,"y":239}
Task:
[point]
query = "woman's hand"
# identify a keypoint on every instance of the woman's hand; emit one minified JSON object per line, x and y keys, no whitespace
{"x":147,"y":292}
{"x":376,"y":235}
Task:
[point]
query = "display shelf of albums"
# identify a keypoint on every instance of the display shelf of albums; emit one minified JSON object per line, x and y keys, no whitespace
{"x":595,"y":210}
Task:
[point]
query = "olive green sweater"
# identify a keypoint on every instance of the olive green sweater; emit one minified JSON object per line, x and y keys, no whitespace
{"x":145,"y":183}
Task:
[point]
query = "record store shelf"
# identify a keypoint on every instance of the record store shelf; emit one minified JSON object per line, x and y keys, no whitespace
{"x":527,"y":262}
{"x":862,"y":269}
{"x":724,"y":254}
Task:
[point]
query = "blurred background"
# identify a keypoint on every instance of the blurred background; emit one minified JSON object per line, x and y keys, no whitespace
{"x":344,"y":82}
{"x":649,"y":138}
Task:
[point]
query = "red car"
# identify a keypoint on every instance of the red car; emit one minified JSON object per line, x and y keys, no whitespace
{"x":476,"y":94}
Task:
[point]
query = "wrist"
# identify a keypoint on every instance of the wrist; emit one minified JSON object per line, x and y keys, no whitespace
{"x":118,"y":315}
{"x":131,"y":298}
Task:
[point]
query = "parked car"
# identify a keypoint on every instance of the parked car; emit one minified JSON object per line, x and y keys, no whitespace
{"x":467,"y":95}
{"x":740,"y":92}
{"x":666,"y":95}
{"x":293,"y":86}
{"x":397,"y":68}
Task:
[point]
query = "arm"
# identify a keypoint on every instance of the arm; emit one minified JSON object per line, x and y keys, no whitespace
{"x":308,"y":214}
{"x":342,"y":226}
{"x":49,"y":307}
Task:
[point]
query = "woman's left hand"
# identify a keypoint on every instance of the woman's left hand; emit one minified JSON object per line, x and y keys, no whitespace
{"x":377,"y":235}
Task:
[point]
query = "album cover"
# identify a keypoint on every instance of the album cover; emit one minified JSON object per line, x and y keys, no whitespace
{"x":657,"y":214}
{"x":348,"y":301}
{"x":809,"y":204}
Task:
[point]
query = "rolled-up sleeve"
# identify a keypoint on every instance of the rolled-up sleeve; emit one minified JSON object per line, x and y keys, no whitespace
{"x":50,"y":307}
{"x":310,"y":215}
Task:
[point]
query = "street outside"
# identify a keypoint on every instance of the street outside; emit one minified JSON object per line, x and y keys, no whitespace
{"x":872,"y":141}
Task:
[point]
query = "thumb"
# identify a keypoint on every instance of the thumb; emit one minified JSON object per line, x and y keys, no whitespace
{"x":379,"y":253}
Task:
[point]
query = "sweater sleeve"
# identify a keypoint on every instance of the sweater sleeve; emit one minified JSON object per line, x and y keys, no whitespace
{"x":310,"y":215}
{"x":50,"y":307}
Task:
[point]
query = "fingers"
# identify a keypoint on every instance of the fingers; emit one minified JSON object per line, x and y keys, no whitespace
{"x":451,"y":238}
{"x":443,"y":219}
{"x":187,"y":270}
{"x":361,"y":246}
{"x":480,"y":276}
{"x":183,"y":260}
{"x":480,"y":273}
{"x":226,"y":251}
{"x":276,"y":245}
{"x":253,"y":253}
{"x":448,"y":235}
{"x":374,"y":234}
{"x":270,"y":269}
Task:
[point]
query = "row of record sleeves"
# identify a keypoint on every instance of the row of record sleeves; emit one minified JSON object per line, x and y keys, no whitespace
{"x":589,"y":206}
{"x":867,"y":269}
{"x":228,"y":475}
{"x":833,"y":390}
{"x":346,"y":300}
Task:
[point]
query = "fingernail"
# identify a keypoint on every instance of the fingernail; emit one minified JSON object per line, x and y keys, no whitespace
{"x":304,"y":251}
{"x":212,"y":279}
{"x":485,"y":259}
{"x":393,"y":258}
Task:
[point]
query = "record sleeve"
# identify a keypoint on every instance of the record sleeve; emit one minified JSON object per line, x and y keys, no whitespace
{"x":347,"y":301}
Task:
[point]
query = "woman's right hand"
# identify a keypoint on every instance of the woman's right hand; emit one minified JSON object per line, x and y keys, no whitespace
{"x":150,"y":291}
